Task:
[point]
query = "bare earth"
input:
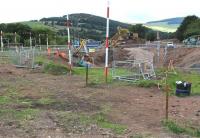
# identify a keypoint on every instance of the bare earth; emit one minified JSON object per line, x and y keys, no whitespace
{"x":140,"y":109}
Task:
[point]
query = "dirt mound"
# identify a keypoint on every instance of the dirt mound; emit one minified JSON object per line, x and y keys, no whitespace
{"x":114,"y":54}
{"x":123,"y":54}
{"x":185,"y":57}
{"x":139,"y":54}
{"x":9,"y":70}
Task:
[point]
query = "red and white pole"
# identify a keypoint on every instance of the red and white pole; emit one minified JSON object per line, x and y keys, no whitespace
{"x":107,"y":43}
{"x":69,"y":46}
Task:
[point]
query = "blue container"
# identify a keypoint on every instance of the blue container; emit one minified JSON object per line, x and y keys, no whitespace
{"x":183,"y":88}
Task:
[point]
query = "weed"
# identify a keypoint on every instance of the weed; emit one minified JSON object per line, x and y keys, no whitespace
{"x":146,"y":83}
{"x":101,"y":121}
{"x":178,"y":129}
{"x":19,"y":115}
{"x":95,"y":75}
{"x":45,"y":101}
{"x":74,"y":119}
{"x":4,"y":100}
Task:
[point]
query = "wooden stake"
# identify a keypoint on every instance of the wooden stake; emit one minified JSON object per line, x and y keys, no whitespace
{"x":167,"y":102}
{"x":86,"y":75}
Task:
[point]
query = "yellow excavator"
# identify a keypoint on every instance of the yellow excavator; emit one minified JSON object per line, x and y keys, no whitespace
{"x":122,"y":34}
{"x":84,"y":58}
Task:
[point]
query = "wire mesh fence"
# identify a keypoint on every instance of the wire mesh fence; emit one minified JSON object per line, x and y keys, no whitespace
{"x":132,"y":70}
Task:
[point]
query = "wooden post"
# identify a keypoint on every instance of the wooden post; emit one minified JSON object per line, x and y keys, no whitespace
{"x":167,"y":96}
{"x":167,"y":102}
{"x":86,"y":75}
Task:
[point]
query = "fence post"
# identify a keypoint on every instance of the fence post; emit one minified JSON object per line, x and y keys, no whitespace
{"x":86,"y":74}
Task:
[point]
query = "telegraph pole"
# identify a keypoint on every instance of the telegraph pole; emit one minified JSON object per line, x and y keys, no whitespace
{"x":16,"y":42}
{"x":40,"y":42}
{"x":30,"y":41}
{"x":1,"y":41}
{"x":158,"y":48}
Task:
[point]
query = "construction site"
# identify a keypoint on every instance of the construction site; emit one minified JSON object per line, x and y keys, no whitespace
{"x":124,"y":87}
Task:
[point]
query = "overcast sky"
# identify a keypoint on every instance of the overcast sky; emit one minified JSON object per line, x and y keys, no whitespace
{"x":131,"y":11}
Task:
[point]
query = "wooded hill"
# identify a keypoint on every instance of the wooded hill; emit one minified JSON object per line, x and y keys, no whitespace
{"x":84,"y":25}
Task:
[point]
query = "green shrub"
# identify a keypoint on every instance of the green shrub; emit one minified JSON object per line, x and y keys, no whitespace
{"x":55,"y":69}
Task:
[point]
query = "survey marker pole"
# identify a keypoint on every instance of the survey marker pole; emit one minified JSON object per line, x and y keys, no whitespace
{"x":69,"y":46}
{"x":107,"y":43}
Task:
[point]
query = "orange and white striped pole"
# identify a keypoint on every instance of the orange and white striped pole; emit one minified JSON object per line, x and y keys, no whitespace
{"x":107,"y":43}
{"x":69,"y":46}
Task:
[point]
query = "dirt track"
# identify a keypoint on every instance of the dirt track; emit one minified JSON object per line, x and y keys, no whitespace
{"x":140,"y":109}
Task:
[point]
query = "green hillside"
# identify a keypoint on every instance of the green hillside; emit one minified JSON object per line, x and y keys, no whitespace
{"x":166,"y":25}
{"x":163,"y":26}
{"x":36,"y":25}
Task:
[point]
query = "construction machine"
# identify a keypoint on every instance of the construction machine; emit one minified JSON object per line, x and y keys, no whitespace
{"x":121,"y":35}
{"x":192,"y":40}
{"x":84,"y":56}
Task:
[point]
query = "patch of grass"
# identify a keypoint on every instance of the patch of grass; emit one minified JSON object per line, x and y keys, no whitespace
{"x":101,"y":121}
{"x":95,"y":75}
{"x":51,"y":67}
{"x":55,"y":69}
{"x":36,"y":25}
{"x":4,"y":100}
{"x":40,"y":60}
{"x":178,"y":129}
{"x":192,"y":77}
{"x":69,"y":120}
{"x":45,"y":101}
{"x":18,"y":115}
{"x":12,"y":92}
{"x":172,"y":126}
{"x":146,"y":83}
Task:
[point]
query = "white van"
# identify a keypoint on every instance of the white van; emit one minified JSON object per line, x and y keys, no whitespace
{"x":170,"y":45}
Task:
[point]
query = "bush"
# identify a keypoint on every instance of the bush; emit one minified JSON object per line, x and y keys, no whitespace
{"x":55,"y":69}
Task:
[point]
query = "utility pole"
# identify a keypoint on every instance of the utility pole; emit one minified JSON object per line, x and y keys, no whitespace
{"x":1,"y":41}
{"x":30,"y":41}
{"x":40,"y":42}
{"x":16,"y":42}
{"x":158,"y":48}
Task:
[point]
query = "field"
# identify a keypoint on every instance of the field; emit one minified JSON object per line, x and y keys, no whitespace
{"x":163,"y":26}
{"x":37,"y":25}
{"x":35,"y":103}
